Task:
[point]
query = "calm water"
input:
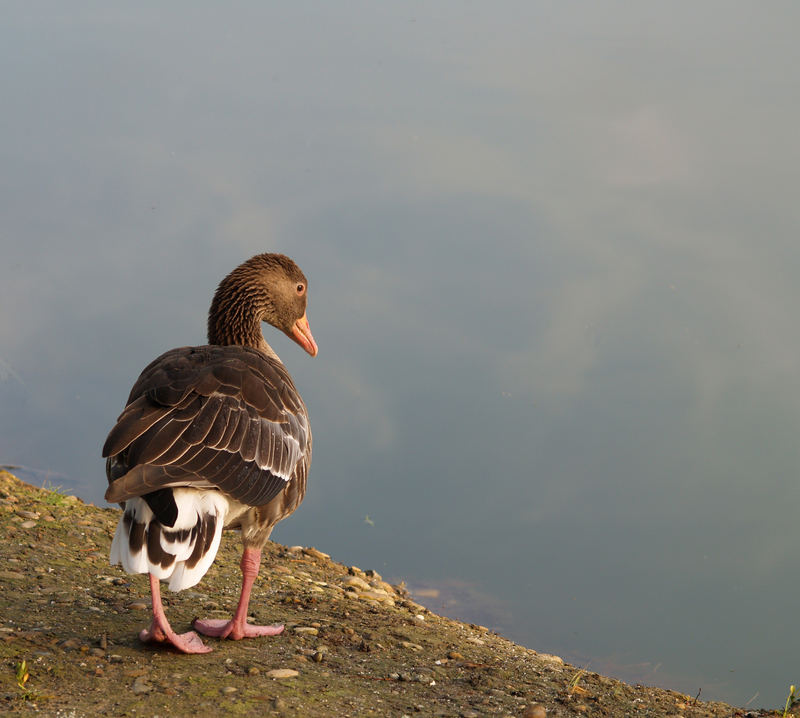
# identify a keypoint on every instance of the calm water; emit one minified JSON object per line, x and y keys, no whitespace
{"x":553,"y":253}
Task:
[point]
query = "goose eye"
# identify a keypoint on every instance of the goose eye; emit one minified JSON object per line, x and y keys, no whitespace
{"x":301,"y":288}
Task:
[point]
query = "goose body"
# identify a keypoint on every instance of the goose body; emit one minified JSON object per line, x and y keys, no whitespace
{"x":213,"y":437}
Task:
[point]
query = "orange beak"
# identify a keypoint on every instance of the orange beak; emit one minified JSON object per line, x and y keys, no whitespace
{"x":301,"y":333}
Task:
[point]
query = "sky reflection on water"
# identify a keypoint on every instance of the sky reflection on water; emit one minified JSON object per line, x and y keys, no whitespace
{"x":552,"y":254}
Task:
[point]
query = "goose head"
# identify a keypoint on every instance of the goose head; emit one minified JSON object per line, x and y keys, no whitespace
{"x":268,"y":288}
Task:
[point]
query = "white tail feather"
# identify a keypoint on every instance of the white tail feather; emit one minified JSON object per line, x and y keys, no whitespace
{"x":176,"y":544}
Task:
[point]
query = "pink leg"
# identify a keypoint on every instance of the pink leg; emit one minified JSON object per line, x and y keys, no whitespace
{"x":238,"y":627}
{"x":161,"y":632}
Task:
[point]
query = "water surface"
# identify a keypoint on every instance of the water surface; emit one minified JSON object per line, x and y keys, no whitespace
{"x":552,"y":252}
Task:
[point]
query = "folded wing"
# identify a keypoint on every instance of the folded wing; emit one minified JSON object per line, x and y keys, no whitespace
{"x":225,"y":417}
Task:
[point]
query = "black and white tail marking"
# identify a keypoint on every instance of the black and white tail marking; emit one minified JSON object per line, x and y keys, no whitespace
{"x":182,"y":552}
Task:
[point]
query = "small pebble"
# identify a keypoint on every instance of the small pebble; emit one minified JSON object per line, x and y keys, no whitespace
{"x":455,"y":656}
{"x":537,"y":710}
{"x":416,"y":607}
{"x":315,"y":553}
{"x":139,"y":605}
{"x":28,"y":524}
{"x":141,"y":686}
{"x":27,"y":514}
{"x":253,"y":671}
{"x":376,"y":597}
{"x":357,"y":582}
{"x":551,"y":659}
{"x":230,"y":689}
{"x":282,"y":673}
{"x":411,"y":646}
{"x":306,"y":630}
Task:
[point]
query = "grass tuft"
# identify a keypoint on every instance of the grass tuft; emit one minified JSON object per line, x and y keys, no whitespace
{"x":790,"y":701}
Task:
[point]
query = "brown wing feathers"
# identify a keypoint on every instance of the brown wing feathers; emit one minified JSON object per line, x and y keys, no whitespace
{"x":224,"y":416}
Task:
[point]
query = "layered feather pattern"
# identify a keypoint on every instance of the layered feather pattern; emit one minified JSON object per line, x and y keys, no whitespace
{"x":226,"y":417}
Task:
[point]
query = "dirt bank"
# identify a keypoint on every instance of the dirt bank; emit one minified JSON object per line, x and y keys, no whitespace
{"x":359,"y":647}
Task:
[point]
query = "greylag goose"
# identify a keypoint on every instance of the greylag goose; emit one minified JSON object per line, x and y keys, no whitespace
{"x":213,"y":437}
